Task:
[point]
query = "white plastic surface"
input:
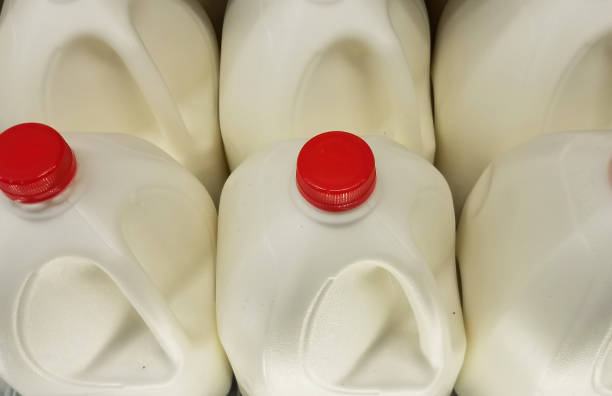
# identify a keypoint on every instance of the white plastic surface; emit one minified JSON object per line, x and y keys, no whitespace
{"x":362,"y":302}
{"x":506,"y":71}
{"x":296,"y":68}
{"x":141,"y":67}
{"x":534,"y":251}
{"x":108,"y":290}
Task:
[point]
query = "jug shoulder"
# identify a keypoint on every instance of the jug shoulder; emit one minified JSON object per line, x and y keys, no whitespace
{"x":391,"y":159}
{"x":569,"y":169}
{"x":113,"y":171}
{"x":264,"y":186}
{"x":411,"y":202}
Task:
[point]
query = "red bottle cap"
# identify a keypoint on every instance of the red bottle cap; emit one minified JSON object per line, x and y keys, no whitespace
{"x":336,"y":171}
{"x":36,"y":163}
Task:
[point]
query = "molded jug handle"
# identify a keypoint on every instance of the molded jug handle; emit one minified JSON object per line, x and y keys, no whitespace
{"x":137,"y":288}
{"x":125,"y":41}
{"x":419,"y":285}
{"x":111,"y":24}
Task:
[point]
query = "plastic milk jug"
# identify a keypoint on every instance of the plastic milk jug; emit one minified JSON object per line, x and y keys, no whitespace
{"x":336,"y":271}
{"x":107,"y":251}
{"x":534,"y":251}
{"x":506,"y":71}
{"x":295,"y":68}
{"x":145,"y":68}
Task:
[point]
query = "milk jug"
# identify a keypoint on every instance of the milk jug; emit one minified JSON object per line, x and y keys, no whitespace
{"x":145,"y":68}
{"x":295,"y":68}
{"x":506,"y":71}
{"x":336,"y":271}
{"x":107,"y":251}
{"x":534,"y":251}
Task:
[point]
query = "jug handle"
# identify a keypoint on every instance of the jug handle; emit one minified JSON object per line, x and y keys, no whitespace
{"x":142,"y":295}
{"x":139,"y":289}
{"x":419,"y":285}
{"x":125,"y":41}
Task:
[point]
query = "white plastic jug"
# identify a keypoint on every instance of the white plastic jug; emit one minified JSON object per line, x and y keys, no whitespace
{"x":506,"y":71}
{"x":106,"y":277}
{"x":146,"y":68}
{"x":295,"y":68}
{"x":342,"y":281}
{"x":534,"y":251}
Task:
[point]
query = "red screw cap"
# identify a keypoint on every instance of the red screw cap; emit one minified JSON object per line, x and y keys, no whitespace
{"x":336,"y":171}
{"x":36,"y":163}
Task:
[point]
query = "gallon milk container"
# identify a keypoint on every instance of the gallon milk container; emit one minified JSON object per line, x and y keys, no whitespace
{"x":506,"y":71}
{"x":534,"y":251}
{"x":145,"y":68}
{"x":107,"y":253}
{"x":295,"y":68}
{"x":336,"y":274}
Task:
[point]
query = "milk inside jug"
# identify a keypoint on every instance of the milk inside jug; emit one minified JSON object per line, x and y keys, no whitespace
{"x":140,"y":67}
{"x":534,"y":251}
{"x":295,"y":68}
{"x":506,"y":71}
{"x":336,"y":271}
{"x":107,"y":251}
